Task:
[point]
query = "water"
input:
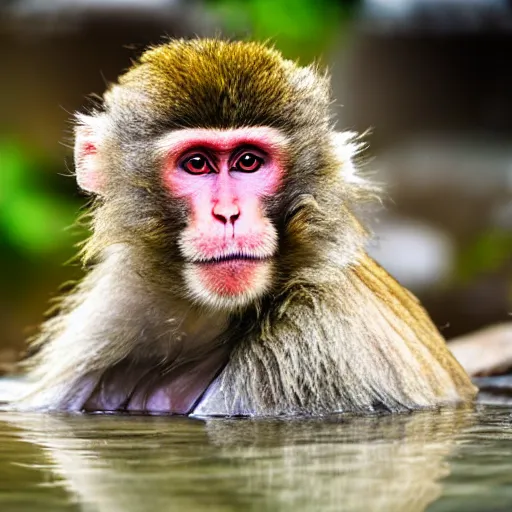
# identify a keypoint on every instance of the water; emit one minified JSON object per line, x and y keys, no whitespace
{"x":438,"y":461}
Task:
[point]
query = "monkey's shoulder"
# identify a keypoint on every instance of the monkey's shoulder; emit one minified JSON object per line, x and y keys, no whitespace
{"x":361,"y":344}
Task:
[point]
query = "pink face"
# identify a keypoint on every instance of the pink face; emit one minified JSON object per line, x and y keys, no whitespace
{"x":224,"y":175}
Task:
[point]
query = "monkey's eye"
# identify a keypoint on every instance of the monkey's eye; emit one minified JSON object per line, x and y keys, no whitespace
{"x":248,"y":162}
{"x":197,"y":164}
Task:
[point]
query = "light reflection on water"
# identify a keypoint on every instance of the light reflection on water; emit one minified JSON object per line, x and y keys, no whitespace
{"x":440,"y":461}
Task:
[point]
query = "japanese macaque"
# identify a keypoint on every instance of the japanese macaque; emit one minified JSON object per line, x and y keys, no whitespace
{"x":228,"y":271}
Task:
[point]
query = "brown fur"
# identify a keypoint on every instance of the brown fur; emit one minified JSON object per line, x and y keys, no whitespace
{"x":336,"y":332}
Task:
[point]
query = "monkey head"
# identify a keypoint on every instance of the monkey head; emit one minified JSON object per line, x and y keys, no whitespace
{"x":215,"y":163}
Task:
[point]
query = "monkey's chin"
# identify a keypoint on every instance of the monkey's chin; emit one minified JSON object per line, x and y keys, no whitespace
{"x":228,"y":285}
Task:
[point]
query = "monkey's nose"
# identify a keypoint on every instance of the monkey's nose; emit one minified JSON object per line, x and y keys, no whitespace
{"x":227,"y":213}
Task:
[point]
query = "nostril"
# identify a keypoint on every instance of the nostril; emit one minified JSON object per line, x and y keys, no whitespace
{"x":220,"y":217}
{"x":234,"y":217}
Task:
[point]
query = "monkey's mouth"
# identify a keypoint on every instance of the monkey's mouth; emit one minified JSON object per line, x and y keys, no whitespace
{"x":236,"y":257}
{"x":230,"y":275}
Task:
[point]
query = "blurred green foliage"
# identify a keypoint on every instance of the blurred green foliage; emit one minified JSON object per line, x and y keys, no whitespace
{"x":33,"y":218}
{"x":302,"y":29}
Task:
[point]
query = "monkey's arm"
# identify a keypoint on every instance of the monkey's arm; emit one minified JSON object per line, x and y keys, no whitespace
{"x":359,"y":343}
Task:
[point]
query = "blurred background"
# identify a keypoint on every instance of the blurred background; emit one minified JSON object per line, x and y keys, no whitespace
{"x":430,"y":79}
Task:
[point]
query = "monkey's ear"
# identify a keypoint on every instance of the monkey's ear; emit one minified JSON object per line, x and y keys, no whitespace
{"x":88,"y":138}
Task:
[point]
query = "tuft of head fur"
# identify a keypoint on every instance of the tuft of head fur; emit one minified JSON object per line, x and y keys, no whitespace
{"x":219,"y":84}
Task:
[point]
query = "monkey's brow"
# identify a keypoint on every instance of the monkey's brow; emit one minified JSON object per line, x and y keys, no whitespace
{"x":247,"y":147}
{"x":179,"y":141}
{"x":200,"y":149}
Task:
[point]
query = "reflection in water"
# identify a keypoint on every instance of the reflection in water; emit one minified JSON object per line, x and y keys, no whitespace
{"x":131,"y":464}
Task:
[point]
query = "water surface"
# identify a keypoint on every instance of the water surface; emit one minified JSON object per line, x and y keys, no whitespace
{"x":438,"y":461}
